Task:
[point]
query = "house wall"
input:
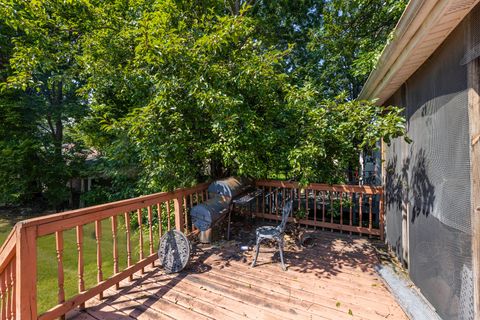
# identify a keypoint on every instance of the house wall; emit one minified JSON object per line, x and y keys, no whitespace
{"x":428,"y":195}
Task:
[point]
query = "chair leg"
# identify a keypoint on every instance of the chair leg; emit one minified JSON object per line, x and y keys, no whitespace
{"x":257,"y":250}
{"x":280,"y":248}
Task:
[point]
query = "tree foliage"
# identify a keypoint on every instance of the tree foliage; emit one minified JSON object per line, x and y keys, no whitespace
{"x":171,"y":92}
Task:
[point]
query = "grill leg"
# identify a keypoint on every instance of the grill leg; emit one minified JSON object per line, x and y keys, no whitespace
{"x":229,"y":219}
{"x":280,"y":248}
{"x":257,"y":250}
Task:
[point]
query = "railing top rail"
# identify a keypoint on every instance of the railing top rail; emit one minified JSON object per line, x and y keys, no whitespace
{"x":62,"y":221}
{"x":7,"y":251}
{"x":321,"y":186}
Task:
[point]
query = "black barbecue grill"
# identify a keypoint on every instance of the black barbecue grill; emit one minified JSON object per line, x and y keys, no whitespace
{"x":221,"y":193}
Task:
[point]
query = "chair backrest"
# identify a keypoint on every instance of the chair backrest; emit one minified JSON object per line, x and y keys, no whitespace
{"x":287,"y":209}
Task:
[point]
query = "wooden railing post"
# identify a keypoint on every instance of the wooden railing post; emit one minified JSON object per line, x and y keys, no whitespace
{"x":179,"y":217}
{"x":382,"y":216}
{"x":26,"y":270}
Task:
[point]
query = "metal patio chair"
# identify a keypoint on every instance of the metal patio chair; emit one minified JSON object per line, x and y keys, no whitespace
{"x":274,"y":233}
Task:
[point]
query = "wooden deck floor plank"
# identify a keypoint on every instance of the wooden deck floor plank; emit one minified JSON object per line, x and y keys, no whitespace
{"x":79,"y":315}
{"x":284,"y":293}
{"x":308,"y":286}
{"x":318,"y":270}
{"x":242,"y":309}
{"x":197,"y":299}
{"x":166,"y":291}
{"x":336,"y":279}
{"x":371,"y":290}
{"x":146,"y":306}
{"x":271,"y":302}
{"x":306,"y":263}
{"x":101,"y":310}
{"x":133,"y":309}
{"x":366,"y":295}
{"x":368,"y":286}
{"x":308,"y":266}
{"x":315,"y":304}
{"x":368,"y":292}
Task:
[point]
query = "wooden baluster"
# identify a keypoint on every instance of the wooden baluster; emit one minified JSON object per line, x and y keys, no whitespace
{"x":351,"y":210}
{"x":81,"y":282}
{"x":370,"y":216}
{"x":299,"y":191}
{"x":323,"y":207}
{"x":196,"y":197}
{"x":168,"y":216}
{"x":263,"y":201}
{"x":257,"y":206}
{"x":360,"y":198}
{"x":3,"y":296}
{"x":115,"y":248}
{"x":129,"y":244}
{"x":150,"y":231}
{"x":12,"y":284}
{"x":270,"y":211}
{"x":331,"y":195}
{"x":140,"y":237}
{"x":382,"y":216}
{"x":202,"y":196}
{"x":276,"y":203}
{"x":185,"y":212}
{"x":314,"y":209}
{"x":98,"y":239}
{"x":190,"y":201}
{"x":341,"y":212}
{"x":307,"y":194}
{"x":159,"y":216}
{"x":59,"y":250}
{"x":8,"y":290}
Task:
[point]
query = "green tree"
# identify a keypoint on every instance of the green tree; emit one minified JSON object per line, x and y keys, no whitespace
{"x":39,"y":97}
{"x":186,"y":95}
{"x":348,"y":43}
{"x":173,"y":92}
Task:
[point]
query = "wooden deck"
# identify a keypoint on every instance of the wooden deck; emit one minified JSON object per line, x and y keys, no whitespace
{"x":334,"y":279}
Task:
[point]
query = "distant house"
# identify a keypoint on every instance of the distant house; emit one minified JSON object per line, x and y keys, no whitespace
{"x":431,"y":68}
{"x":81,"y":183}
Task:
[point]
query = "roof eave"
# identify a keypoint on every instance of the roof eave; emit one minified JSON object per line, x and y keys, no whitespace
{"x":423,"y":26}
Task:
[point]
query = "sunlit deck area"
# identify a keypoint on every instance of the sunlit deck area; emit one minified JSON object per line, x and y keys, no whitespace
{"x":100,"y":255}
{"x":335,"y":278}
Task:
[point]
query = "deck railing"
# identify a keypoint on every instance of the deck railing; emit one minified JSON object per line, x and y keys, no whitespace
{"x":18,"y":255}
{"x":348,"y":208}
{"x":7,"y":276}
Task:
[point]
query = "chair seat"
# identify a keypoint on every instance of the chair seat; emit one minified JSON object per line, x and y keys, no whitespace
{"x":268,"y":232}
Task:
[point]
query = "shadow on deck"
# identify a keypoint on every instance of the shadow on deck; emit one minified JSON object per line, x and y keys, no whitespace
{"x":334,"y":279}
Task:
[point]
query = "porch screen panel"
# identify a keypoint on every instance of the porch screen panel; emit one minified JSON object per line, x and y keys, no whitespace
{"x":438,"y":177}
{"x":394,"y":187}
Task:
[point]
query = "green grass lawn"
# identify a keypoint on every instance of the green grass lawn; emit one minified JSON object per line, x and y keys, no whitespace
{"x":47,"y":283}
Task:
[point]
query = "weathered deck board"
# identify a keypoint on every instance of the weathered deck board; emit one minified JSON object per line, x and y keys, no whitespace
{"x":335,"y":279}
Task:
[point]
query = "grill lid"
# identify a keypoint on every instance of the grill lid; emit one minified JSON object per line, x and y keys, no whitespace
{"x":230,"y":187}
